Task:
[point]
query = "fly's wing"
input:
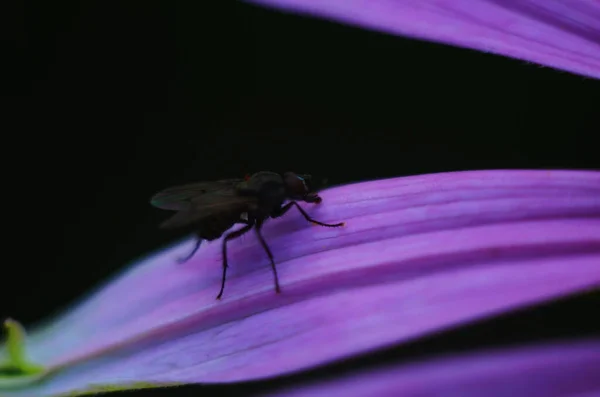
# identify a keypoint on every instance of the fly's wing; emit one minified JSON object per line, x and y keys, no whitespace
{"x":225,"y":205}
{"x":180,"y":198}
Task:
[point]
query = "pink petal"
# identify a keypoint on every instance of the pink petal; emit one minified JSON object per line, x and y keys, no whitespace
{"x":556,"y":33}
{"x":548,"y":371}
{"x":419,"y":255}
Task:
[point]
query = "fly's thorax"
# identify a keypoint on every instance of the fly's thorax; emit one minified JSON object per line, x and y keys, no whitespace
{"x":260,"y":179}
{"x":271,"y":195}
{"x":252,"y":186}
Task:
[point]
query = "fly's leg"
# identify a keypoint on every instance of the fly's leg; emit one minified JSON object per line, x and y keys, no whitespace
{"x":189,"y":256}
{"x":230,"y":236}
{"x":259,"y":224}
{"x":282,"y":210}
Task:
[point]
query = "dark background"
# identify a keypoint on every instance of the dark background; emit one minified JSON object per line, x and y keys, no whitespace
{"x":103,"y":104}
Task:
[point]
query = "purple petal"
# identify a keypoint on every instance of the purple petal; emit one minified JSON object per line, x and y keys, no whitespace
{"x":556,"y":33}
{"x":549,"y":371}
{"x":420,"y":254}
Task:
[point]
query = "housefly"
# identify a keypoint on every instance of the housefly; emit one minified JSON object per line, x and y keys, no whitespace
{"x":209,"y":209}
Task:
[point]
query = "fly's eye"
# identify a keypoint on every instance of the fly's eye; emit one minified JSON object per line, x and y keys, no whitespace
{"x":307,"y":182}
{"x":296,"y":185}
{"x":304,"y":184}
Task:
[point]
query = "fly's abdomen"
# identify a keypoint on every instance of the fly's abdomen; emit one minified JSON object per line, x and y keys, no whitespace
{"x":213,"y":227}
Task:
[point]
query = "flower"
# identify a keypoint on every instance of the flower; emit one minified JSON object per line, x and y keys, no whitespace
{"x":545,"y":370}
{"x":560,"y":34}
{"x":419,"y":255}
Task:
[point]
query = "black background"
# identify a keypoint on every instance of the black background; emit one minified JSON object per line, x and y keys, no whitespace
{"x":105,"y":103}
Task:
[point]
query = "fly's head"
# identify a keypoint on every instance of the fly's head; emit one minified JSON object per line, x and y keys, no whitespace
{"x":299,"y":187}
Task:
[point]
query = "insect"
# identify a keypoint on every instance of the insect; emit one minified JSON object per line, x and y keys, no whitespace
{"x":209,"y":209}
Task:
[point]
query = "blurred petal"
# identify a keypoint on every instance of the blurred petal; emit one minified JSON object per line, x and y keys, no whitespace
{"x":420,"y":254}
{"x":556,"y":33}
{"x":548,"y":371}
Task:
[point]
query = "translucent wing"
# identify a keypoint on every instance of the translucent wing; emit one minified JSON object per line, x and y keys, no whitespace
{"x":222,"y":206}
{"x":179,"y":198}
